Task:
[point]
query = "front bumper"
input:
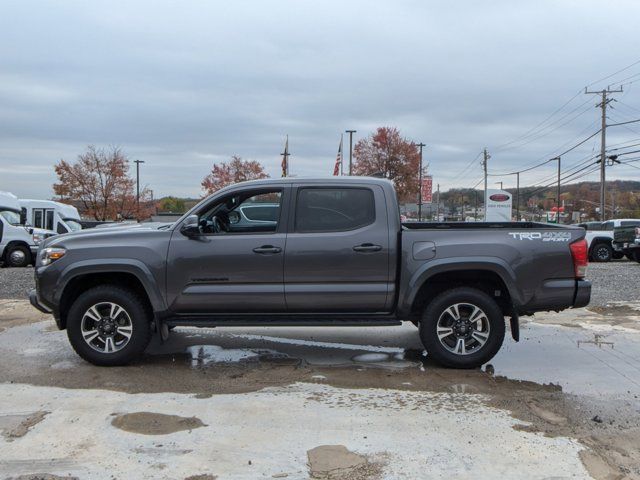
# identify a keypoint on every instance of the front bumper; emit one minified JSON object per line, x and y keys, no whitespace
{"x":33,"y":299}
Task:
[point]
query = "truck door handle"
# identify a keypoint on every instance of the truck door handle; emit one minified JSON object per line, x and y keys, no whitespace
{"x":264,"y":249}
{"x":367,"y":247}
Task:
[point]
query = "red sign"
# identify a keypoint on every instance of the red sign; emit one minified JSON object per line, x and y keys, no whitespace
{"x":499,"y":197}
{"x":427,"y":189}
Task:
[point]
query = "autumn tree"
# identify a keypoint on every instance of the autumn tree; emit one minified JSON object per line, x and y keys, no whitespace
{"x":234,"y":171}
{"x":99,"y":181}
{"x":172,"y":204}
{"x":387,"y":153}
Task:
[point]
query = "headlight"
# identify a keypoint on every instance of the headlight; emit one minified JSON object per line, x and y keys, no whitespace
{"x":51,"y":254}
{"x":38,"y":238}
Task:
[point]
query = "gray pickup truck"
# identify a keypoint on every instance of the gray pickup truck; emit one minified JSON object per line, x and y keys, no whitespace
{"x":327,"y":252}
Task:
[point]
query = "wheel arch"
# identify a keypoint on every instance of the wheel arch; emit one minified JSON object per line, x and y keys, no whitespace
{"x":495,"y":279}
{"x":84,"y":276}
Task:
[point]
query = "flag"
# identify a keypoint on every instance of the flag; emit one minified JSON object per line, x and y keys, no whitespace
{"x":337,"y":169}
{"x":285,"y":159}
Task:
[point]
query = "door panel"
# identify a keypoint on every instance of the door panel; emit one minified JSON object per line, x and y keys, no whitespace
{"x":228,"y":270}
{"x":337,"y":271}
{"x":218,"y":273}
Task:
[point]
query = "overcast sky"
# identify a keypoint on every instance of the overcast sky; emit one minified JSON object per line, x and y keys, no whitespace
{"x":182,"y":85}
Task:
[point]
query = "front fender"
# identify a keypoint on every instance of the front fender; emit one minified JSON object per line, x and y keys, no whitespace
{"x":113,"y":265}
{"x":429,"y":269}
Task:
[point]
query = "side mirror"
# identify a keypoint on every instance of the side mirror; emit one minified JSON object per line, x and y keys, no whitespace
{"x":190,"y":227}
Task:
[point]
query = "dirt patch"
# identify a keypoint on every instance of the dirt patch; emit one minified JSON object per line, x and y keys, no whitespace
{"x":332,"y":462}
{"x":19,"y":312}
{"x":149,"y":423}
{"x":19,"y":425}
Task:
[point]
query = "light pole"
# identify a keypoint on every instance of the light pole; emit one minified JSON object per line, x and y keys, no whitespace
{"x":500,"y":184}
{"x":350,"y":132}
{"x":138,"y":162}
{"x":420,"y":184}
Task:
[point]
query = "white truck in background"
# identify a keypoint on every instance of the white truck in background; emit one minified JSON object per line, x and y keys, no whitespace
{"x":600,"y":238}
{"x":50,"y":215}
{"x":18,"y":241}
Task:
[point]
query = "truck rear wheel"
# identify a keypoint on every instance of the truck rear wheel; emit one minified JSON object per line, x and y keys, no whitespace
{"x":17,"y":256}
{"x":108,"y":325}
{"x":462,"y":328}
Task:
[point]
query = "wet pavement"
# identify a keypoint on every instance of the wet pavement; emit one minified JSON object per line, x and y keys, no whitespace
{"x":567,"y":397}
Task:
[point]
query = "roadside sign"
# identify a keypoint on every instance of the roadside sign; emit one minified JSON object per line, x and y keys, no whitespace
{"x":427,"y":189}
{"x":498,"y":204}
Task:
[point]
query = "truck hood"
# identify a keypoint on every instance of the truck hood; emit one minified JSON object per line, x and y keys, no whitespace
{"x":110,"y":235}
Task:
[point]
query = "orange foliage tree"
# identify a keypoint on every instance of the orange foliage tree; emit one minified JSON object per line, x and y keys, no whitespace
{"x":99,"y":182}
{"x":387,"y":153}
{"x":234,"y":171}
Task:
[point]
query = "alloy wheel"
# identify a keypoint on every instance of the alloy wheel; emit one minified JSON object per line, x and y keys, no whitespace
{"x":463,"y":328}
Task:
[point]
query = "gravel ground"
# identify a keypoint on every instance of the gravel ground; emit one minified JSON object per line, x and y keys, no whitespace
{"x":615,"y":281}
{"x":16,"y":282}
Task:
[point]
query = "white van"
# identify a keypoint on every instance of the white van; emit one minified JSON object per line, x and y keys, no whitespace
{"x":50,"y":215}
{"x":18,"y":241}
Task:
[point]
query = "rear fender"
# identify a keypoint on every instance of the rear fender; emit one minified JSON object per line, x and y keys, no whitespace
{"x":445,"y":265}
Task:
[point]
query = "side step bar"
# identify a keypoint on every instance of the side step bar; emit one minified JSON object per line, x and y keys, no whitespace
{"x":280,"y":321}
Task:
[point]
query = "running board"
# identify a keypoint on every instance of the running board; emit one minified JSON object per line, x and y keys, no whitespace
{"x":280,"y":321}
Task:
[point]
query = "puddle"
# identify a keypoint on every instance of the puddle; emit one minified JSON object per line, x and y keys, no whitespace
{"x":149,"y":423}
{"x":202,"y":355}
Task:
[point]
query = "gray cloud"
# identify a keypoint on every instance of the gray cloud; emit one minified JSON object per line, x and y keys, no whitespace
{"x":183,"y":84}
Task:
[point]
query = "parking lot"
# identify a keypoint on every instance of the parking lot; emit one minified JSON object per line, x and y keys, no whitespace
{"x":343,"y":403}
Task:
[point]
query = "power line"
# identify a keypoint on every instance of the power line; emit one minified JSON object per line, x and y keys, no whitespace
{"x":614,"y":73}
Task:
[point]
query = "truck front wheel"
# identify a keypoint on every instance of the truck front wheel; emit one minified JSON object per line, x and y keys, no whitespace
{"x":602,"y":253}
{"x":462,"y":328}
{"x":109,"y":325}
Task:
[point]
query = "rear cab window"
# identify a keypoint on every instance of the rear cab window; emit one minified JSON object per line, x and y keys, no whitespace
{"x":320,"y":209}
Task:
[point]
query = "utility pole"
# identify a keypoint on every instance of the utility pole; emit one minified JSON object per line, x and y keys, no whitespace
{"x":484,"y":166}
{"x":603,"y":142}
{"x":350,"y":132}
{"x":420,"y":184}
{"x":501,"y":183}
{"x":438,"y":206}
{"x":558,"y":192}
{"x":475,"y":210}
{"x":138,"y":162}
{"x":285,"y":158}
{"x":517,"y":196}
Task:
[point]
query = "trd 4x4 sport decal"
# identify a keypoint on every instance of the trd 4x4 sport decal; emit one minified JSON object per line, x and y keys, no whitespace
{"x":544,"y":236}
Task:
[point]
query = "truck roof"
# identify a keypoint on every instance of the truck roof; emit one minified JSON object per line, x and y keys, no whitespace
{"x":322,"y":180}
{"x":9,"y":201}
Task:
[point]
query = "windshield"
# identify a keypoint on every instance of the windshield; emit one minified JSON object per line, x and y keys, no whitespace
{"x":10,"y":216}
{"x":73,"y":224}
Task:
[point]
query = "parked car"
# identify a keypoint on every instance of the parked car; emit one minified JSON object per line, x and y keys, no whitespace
{"x":336,"y":255}
{"x":18,"y":241}
{"x":50,"y":215}
{"x":627,"y":240}
{"x":600,"y":238}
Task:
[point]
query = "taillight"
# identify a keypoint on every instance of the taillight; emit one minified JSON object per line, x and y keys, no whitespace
{"x":580,"y":255}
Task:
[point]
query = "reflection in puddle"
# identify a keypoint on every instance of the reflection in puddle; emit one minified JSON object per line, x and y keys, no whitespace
{"x":206,"y":354}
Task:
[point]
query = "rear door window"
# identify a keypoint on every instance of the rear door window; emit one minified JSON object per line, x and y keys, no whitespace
{"x":333,"y":209}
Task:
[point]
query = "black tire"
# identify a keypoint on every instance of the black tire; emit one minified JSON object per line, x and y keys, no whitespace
{"x":137,"y":315}
{"x":602,"y":252}
{"x":636,"y":255}
{"x":17,"y":256}
{"x":617,"y":255}
{"x":472,"y":297}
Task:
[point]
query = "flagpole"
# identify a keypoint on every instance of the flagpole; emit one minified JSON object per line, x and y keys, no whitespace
{"x":341,"y":156}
